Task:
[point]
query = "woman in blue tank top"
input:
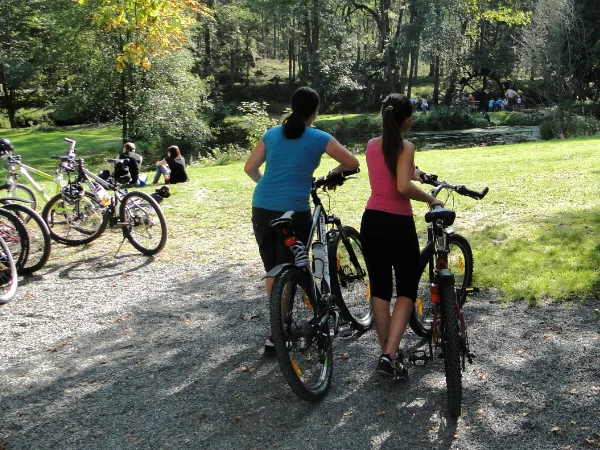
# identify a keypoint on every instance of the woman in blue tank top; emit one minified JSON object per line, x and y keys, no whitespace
{"x":292,"y":152}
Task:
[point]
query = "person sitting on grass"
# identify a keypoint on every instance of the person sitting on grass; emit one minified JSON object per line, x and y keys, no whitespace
{"x":176,"y":164}
{"x":134,"y":163}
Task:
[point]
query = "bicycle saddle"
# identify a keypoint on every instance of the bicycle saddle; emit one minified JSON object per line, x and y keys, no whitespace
{"x":282,"y":221}
{"x":447,"y":216}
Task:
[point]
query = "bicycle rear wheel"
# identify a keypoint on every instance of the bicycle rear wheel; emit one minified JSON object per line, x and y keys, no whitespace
{"x":14,"y":233}
{"x":460,"y":263}
{"x":146,"y":227}
{"x":21,"y":191}
{"x":452,"y":345}
{"x":75,"y":223}
{"x":350,"y":279}
{"x":8,"y":274}
{"x":40,"y":241}
{"x":302,"y":345}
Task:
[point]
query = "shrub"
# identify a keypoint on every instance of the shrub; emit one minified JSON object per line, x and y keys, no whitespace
{"x":28,"y":117}
{"x":519,"y":119}
{"x":579,"y":126}
{"x":546,"y":131}
{"x":444,"y":118}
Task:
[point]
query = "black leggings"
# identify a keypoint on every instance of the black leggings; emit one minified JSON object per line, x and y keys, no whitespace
{"x":389,"y":241}
{"x":270,"y":245}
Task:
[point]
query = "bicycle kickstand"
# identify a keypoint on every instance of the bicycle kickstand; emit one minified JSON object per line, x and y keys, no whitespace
{"x":120,"y":245}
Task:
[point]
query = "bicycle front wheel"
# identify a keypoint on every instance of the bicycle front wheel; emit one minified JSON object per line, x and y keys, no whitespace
{"x":145,"y":223}
{"x":451,"y":342}
{"x":350,"y":279}
{"x":20,"y":191}
{"x":460,"y":263}
{"x":8,"y":274}
{"x":302,"y":344}
{"x":40,"y":241}
{"x":75,"y":223}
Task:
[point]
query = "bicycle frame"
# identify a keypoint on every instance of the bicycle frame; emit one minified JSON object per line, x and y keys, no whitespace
{"x":16,"y":167}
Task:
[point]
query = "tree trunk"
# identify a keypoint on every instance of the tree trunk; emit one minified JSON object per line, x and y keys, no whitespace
{"x":314,"y":57}
{"x":123,"y":106}
{"x":436,"y":82}
{"x":431,"y":70}
{"x":274,"y":39}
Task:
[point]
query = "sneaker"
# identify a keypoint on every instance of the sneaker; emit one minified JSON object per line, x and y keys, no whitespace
{"x":269,"y":347}
{"x":391,"y":367}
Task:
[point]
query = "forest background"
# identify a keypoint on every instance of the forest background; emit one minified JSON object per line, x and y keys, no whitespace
{"x":212,"y":76}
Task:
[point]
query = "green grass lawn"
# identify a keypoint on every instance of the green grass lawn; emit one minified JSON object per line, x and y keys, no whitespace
{"x":534,"y":236}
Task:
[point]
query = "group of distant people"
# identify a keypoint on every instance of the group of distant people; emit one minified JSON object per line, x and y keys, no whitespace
{"x":171,"y":168}
{"x":511,"y":98}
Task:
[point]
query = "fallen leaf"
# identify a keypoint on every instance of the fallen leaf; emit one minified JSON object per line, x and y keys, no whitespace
{"x":555,"y":429}
{"x":573,"y":422}
{"x":347,"y":413}
{"x":571,"y":391}
{"x":237,"y":418}
{"x":479,"y":411}
{"x":380,"y":413}
{"x":547,"y":337}
{"x":252,"y":369}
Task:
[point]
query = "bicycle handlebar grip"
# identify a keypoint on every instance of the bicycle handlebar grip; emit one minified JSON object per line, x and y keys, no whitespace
{"x":429,"y":178}
{"x":70,"y":141}
{"x":347,"y":173}
{"x":463,"y":190}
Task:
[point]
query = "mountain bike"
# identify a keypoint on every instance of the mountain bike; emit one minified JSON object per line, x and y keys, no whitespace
{"x":16,"y":168}
{"x":79,"y":216}
{"x":309,"y":303}
{"x":447,"y":267}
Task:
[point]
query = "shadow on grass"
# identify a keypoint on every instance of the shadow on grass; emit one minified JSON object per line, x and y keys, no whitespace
{"x":183,"y":368}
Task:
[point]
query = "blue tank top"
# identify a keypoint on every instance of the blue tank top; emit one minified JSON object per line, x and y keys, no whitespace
{"x":290,"y":165}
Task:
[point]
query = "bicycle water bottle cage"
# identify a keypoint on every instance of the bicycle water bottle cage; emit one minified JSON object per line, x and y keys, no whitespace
{"x":447,"y":216}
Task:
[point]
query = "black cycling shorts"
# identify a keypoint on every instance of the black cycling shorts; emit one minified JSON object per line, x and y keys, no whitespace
{"x":270,"y":244}
{"x":389,"y":241}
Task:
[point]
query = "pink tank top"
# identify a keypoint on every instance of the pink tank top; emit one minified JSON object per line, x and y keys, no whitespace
{"x":384,"y":191}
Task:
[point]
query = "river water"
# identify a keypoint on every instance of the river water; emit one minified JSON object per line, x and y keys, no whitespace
{"x":475,"y":137}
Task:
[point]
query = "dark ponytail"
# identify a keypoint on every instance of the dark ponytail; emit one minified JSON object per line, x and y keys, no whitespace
{"x":395,"y":110}
{"x":304,"y":103}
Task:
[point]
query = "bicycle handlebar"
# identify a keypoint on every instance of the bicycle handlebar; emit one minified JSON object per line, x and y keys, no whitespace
{"x":334,"y":179}
{"x":431,"y":179}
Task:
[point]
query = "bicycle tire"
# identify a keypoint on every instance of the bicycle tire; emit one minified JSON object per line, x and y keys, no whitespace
{"x":291,"y":331}
{"x":40,"y":241}
{"x":348,"y":284}
{"x":452,"y":346}
{"x":75,"y":223}
{"x":8,"y":274}
{"x":142,"y":213}
{"x":14,"y":233}
{"x":460,"y":263}
{"x":21,"y":191}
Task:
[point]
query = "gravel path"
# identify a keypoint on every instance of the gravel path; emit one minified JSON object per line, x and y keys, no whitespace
{"x":135,"y":353}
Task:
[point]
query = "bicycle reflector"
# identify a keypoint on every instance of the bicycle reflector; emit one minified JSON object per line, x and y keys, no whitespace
{"x":290,"y":241}
{"x":435,"y":293}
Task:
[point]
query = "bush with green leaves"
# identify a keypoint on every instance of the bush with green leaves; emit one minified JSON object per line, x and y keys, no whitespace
{"x":519,"y":119}
{"x":169,"y":107}
{"x":445,"y":118}
{"x":257,"y":120}
{"x":579,"y":126}
{"x":28,"y":117}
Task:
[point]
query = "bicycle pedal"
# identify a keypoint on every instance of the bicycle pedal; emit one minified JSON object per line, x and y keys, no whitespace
{"x":472,"y":290}
{"x":418,"y":358}
{"x":470,"y":357}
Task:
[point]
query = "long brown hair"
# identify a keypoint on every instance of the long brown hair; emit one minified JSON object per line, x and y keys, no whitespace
{"x":304,"y":103}
{"x":396,"y":108}
{"x":174,"y":151}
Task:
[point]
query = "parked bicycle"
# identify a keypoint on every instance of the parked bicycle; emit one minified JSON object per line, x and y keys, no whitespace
{"x":78,"y":216}
{"x":16,"y":168}
{"x":447,"y":267}
{"x":308,"y":303}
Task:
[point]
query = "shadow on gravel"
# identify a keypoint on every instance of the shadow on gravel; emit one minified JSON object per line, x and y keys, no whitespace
{"x":183,"y":368}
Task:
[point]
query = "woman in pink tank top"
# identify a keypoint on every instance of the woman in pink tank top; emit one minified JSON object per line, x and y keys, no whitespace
{"x":387,"y":232}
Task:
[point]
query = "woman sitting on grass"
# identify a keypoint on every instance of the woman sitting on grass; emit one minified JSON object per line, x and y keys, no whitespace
{"x":176,"y":165}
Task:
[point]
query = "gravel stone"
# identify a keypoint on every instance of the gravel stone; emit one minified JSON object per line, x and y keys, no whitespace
{"x":130,"y":352}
